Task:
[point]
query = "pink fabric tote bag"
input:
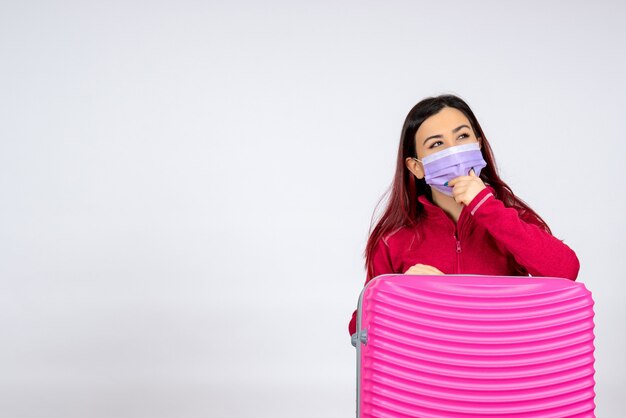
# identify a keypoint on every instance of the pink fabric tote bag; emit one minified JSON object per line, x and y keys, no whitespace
{"x":474,"y":346}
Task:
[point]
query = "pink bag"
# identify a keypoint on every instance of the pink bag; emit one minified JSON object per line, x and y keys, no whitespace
{"x":474,"y":346}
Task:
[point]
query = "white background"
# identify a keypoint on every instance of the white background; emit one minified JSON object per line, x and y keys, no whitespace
{"x":186,"y":187}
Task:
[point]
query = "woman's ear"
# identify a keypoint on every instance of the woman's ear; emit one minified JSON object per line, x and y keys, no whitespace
{"x":480,"y":143}
{"x":415,"y":167}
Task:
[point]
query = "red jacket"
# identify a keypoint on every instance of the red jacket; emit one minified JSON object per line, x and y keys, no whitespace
{"x":488,"y":239}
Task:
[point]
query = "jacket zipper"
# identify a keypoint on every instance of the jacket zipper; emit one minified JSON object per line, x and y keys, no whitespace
{"x":457,"y":240}
{"x":458,"y":254}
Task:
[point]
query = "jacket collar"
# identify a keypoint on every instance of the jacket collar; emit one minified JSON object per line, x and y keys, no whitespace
{"x":431,"y":209}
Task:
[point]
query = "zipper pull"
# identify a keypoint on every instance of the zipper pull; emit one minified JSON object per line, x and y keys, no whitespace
{"x":458,"y":246}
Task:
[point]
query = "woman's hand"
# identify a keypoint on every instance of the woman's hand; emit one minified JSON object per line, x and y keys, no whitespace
{"x":465,"y":188}
{"x":422,"y":269}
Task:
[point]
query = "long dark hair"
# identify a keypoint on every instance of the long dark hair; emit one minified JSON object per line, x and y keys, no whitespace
{"x":403,"y":209}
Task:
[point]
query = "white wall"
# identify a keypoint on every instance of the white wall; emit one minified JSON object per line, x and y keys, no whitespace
{"x":186,"y":187}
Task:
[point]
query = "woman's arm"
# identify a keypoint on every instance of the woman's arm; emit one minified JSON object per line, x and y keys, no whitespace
{"x":540,"y":253}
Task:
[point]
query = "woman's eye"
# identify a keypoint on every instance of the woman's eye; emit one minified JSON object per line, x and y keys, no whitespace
{"x":435,"y":143}
{"x":463,"y":136}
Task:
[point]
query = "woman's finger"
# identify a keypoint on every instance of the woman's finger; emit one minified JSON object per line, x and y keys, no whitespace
{"x":423,"y":269}
{"x":458,"y":179}
{"x":435,"y":270}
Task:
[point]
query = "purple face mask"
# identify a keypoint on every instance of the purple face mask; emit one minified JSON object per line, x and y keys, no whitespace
{"x":452,"y":162}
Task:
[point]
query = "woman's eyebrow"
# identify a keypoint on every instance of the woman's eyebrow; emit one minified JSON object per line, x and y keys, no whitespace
{"x":455,"y":130}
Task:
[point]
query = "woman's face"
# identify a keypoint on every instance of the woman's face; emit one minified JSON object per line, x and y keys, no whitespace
{"x":442,"y":130}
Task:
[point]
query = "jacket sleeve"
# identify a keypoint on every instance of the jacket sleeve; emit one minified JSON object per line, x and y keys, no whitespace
{"x":533,"y":248}
{"x":381,"y":264}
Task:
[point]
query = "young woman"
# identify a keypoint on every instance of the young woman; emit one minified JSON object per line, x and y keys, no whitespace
{"x":450,"y":213}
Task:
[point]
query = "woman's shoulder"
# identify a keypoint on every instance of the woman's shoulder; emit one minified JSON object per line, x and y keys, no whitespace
{"x":400,"y":237}
{"x":511,"y":201}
